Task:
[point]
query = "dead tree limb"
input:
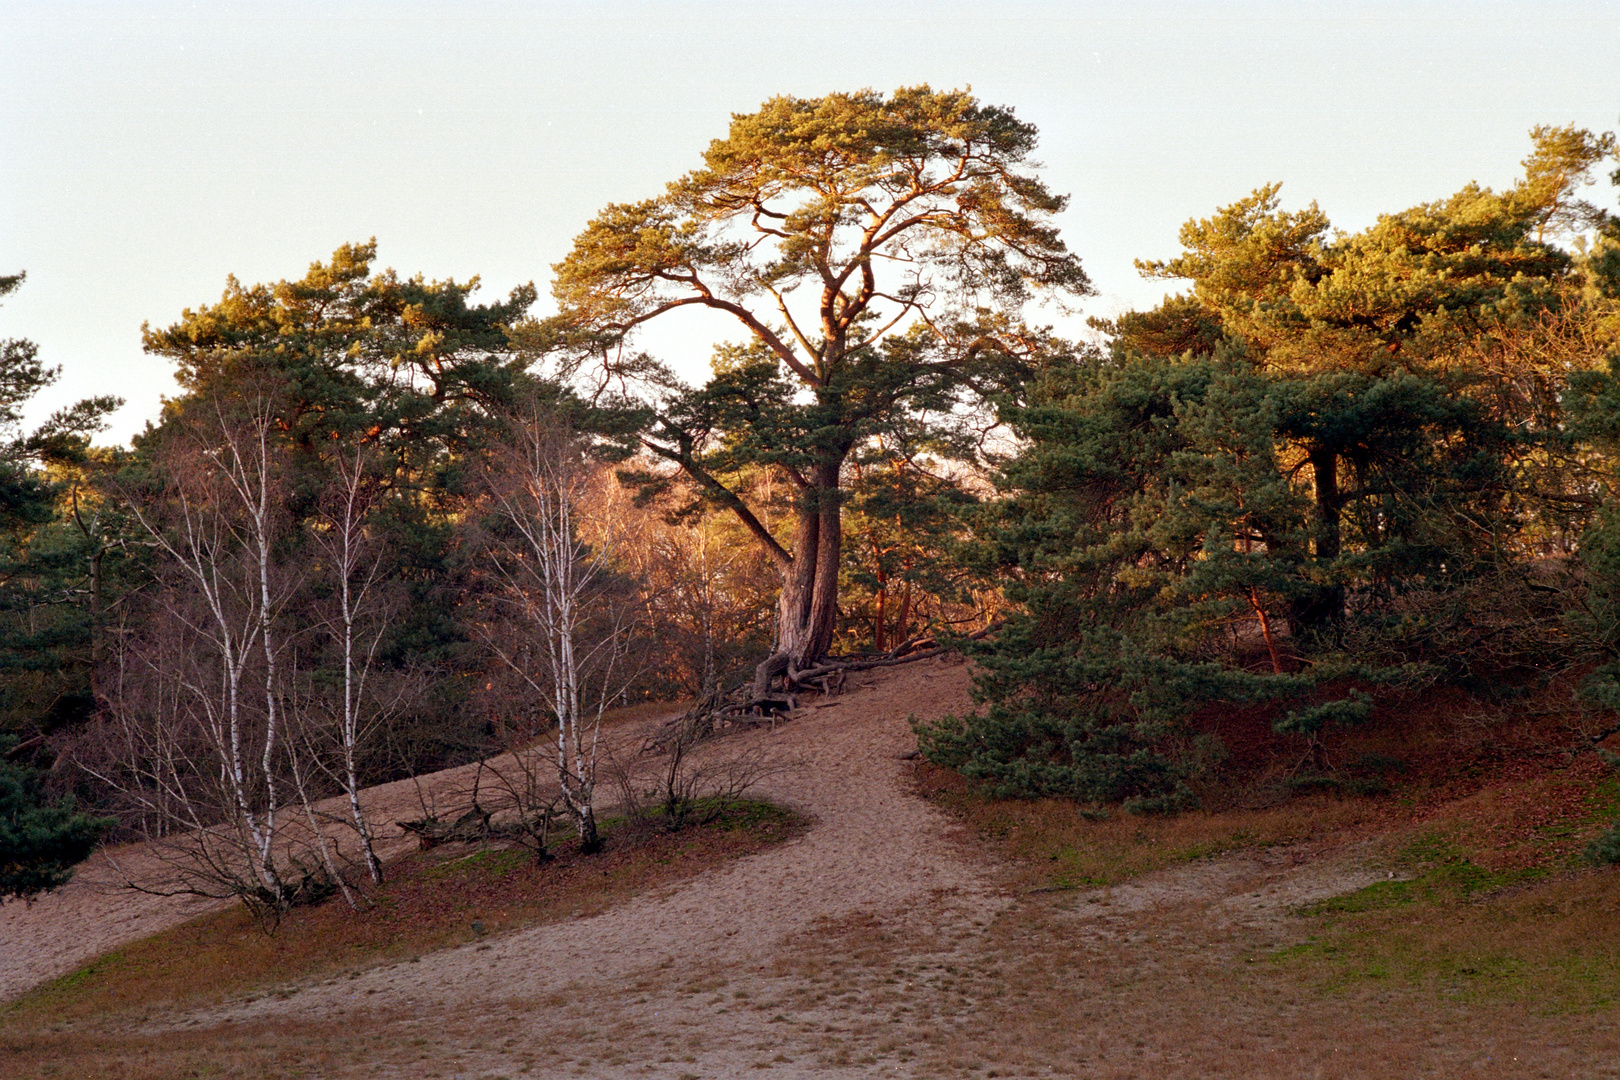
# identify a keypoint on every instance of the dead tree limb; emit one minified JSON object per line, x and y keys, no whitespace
{"x":718,"y":710}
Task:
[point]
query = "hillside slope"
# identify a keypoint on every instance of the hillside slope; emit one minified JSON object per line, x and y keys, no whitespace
{"x":880,"y":943}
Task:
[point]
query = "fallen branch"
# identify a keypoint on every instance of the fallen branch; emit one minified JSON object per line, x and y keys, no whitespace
{"x":475,"y":827}
{"x":430,"y":832}
{"x":24,"y":747}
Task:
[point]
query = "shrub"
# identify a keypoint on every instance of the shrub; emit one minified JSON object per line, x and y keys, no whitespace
{"x":1605,"y":850}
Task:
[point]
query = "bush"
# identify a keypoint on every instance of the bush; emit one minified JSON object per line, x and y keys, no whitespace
{"x":40,"y":841}
{"x":1605,"y":850}
{"x":1092,"y":755}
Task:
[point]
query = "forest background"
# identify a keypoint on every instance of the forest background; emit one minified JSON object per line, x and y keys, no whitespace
{"x":1340,"y":471}
{"x":385,"y":529}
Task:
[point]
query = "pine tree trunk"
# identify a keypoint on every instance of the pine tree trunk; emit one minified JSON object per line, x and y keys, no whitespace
{"x":880,"y":625}
{"x":1323,"y":607}
{"x":98,"y":636}
{"x":807,"y":612}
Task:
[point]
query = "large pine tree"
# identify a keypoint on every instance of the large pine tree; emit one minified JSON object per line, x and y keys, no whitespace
{"x":876,"y":251}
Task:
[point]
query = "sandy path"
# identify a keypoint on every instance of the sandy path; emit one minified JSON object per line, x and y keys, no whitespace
{"x":874,"y":851}
{"x":877,"y":860}
{"x":873,"y":848}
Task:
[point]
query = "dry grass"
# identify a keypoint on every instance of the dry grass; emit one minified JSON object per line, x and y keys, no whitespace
{"x":1169,"y":995}
{"x":1492,"y":943}
{"x":1492,"y":952}
{"x":448,"y":896}
{"x":1550,"y":946}
{"x":1493,"y":901}
{"x":260,"y":1051}
{"x":1056,"y":844}
{"x":1057,"y":988}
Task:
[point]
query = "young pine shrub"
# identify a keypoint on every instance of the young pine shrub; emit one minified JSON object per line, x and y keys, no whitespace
{"x":1605,"y":850}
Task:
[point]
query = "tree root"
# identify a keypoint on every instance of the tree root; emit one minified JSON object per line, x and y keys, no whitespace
{"x":921,"y":647}
{"x":743,"y":708}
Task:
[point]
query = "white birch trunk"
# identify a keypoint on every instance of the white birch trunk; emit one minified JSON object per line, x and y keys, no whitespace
{"x":225,"y":511}
{"x":357,"y":578}
{"x":553,"y":583}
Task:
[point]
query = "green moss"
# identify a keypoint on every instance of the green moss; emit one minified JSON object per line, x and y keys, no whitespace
{"x":750,"y":814}
{"x":1375,"y":897}
{"x":104,"y":966}
{"x":1487,"y":971}
{"x":489,"y":865}
{"x":1444,"y":875}
{"x":96,"y":977}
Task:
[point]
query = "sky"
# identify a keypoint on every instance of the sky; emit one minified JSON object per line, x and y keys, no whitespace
{"x":148,"y":150}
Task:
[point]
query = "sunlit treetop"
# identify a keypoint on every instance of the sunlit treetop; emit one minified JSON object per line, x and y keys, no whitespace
{"x":813,"y":216}
{"x":878,"y":252}
{"x":1404,"y":290}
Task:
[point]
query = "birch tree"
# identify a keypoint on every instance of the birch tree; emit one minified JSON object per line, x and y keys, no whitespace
{"x":560,"y":625}
{"x":353,"y":623}
{"x":196,"y":718}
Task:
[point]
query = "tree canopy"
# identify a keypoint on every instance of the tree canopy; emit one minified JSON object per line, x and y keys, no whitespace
{"x":1335,"y":462}
{"x":877,"y":252}
{"x":1332,"y":464}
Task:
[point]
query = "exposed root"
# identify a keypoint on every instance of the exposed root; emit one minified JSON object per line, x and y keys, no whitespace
{"x":718,"y":712}
{"x":745,"y":707}
{"x":914,"y":648}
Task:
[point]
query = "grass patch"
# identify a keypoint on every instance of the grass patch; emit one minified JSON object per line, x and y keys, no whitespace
{"x":1444,"y":874}
{"x":1058,"y":844}
{"x":449,"y":896}
{"x":248,"y":1051}
{"x":1494,"y":908}
{"x":1473,"y":935}
{"x":1496,"y":902}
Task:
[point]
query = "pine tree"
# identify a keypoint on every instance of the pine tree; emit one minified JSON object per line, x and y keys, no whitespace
{"x":46,"y":628}
{"x":40,"y":840}
{"x":1285,"y":486}
{"x":877,"y":251}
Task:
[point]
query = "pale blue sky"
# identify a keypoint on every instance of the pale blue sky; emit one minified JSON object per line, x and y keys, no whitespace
{"x":149,"y":149}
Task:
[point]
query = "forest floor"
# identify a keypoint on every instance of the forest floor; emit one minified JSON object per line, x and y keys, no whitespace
{"x":900,"y":934}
